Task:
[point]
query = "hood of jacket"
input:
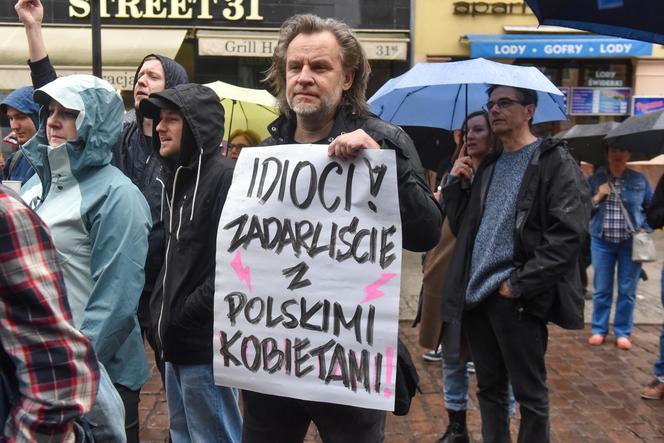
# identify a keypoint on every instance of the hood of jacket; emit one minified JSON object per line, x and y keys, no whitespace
{"x":203,"y":114}
{"x":21,"y":100}
{"x":174,"y":74}
{"x":98,"y":124}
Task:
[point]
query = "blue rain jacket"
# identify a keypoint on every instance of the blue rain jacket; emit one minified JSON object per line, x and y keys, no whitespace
{"x":99,"y":221}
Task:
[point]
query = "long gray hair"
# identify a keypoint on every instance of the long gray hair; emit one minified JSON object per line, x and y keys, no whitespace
{"x":352,"y":57}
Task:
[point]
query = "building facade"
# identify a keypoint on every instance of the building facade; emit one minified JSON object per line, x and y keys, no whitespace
{"x":604,"y":78}
{"x":228,"y":40}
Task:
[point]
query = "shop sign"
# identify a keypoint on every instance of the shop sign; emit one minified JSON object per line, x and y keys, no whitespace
{"x":645,"y":105}
{"x":360,"y":14}
{"x":558,"y":48}
{"x":121,"y":78}
{"x":600,"y":101}
{"x":264,"y":47}
{"x":605,"y":78}
{"x":485,"y":8}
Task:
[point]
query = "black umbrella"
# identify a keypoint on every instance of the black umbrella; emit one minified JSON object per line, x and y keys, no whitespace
{"x":641,"y":134}
{"x":586,"y":142}
{"x":634,"y":19}
{"x":434,"y":146}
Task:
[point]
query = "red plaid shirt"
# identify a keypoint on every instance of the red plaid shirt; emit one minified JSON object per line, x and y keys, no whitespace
{"x":56,"y":367}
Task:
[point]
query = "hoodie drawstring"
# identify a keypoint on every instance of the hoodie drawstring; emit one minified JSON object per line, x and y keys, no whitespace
{"x":198,"y":177}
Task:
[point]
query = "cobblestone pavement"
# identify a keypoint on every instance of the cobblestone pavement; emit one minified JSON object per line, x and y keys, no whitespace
{"x":594,"y":391}
{"x":594,"y":395}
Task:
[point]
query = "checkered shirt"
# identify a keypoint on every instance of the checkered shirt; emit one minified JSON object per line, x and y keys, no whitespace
{"x":56,"y":367}
{"x":614,"y":227}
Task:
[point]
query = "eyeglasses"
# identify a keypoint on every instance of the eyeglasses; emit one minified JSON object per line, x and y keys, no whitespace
{"x":236,"y":146}
{"x":502,"y":104}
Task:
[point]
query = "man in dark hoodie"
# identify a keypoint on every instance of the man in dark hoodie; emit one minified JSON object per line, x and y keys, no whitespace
{"x":23,"y":115}
{"x":133,"y":154}
{"x":189,"y":125}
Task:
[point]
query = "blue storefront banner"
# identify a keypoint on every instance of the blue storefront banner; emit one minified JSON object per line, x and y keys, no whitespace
{"x":644,"y":105}
{"x":554,"y":46}
{"x":600,"y":101}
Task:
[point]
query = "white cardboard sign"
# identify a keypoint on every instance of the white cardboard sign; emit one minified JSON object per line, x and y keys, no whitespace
{"x":308,"y":276}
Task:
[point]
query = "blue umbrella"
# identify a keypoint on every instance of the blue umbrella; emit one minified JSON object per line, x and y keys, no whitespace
{"x":634,"y":19}
{"x":440,"y":95}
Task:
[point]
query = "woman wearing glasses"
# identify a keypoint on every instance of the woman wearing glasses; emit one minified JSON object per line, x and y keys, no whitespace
{"x":242,"y":138}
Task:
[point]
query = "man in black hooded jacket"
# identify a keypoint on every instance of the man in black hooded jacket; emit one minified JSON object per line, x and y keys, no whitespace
{"x":189,"y":125}
{"x":133,"y":154}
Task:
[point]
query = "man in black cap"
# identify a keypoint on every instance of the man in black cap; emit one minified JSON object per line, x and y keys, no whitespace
{"x":188,"y":127}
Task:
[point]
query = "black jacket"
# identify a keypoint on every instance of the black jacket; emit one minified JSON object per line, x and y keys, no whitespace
{"x":421,"y":217}
{"x":551,"y":222}
{"x":133,"y":156}
{"x":655,"y":213}
{"x":194,"y":191}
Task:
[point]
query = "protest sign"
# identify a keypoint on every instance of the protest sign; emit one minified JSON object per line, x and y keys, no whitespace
{"x":308,"y":275}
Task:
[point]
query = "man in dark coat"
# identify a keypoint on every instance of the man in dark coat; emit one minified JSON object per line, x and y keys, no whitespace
{"x":189,"y":126}
{"x":320,"y":73}
{"x":519,"y":228}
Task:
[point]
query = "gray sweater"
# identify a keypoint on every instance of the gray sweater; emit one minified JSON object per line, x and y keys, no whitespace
{"x":493,"y":250}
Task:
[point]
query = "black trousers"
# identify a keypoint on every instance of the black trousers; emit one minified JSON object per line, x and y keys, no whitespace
{"x":130,"y":400}
{"x":269,"y":418}
{"x":508,"y":344}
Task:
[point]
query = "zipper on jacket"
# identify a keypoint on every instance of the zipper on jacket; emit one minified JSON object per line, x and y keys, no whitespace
{"x":168,"y":247}
{"x":177,"y":233}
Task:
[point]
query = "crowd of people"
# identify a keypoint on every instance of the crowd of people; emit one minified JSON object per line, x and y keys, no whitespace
{"x":112,"y":243}
{"x":611,"y":205}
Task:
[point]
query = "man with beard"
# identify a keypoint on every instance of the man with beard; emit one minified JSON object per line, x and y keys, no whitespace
{"x":319,"y":72}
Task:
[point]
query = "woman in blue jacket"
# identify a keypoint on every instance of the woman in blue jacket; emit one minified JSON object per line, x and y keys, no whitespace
{"x":99,"y":221}
{"x":614,"y":188}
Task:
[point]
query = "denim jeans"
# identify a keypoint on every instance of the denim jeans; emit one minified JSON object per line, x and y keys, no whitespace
{"x":455,"y":387}
{"x":455,"y":384}
{"x":199,"y":411}
{"x":605,"y":256}
{"x":659,"y":364}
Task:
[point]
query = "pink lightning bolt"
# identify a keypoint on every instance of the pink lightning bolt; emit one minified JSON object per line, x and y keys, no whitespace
{"x":373,"y":291}
{"x":243,"y":272}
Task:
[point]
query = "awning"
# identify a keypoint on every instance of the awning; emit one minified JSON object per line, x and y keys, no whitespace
{"x":70,"y":49}
{"x":15,"y":76}
{"x":73,"y":46}
{"x":554,"y":46}
{"x":378,"y":46}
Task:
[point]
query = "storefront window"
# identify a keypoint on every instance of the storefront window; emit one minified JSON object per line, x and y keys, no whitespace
{"x":606,"y":75}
